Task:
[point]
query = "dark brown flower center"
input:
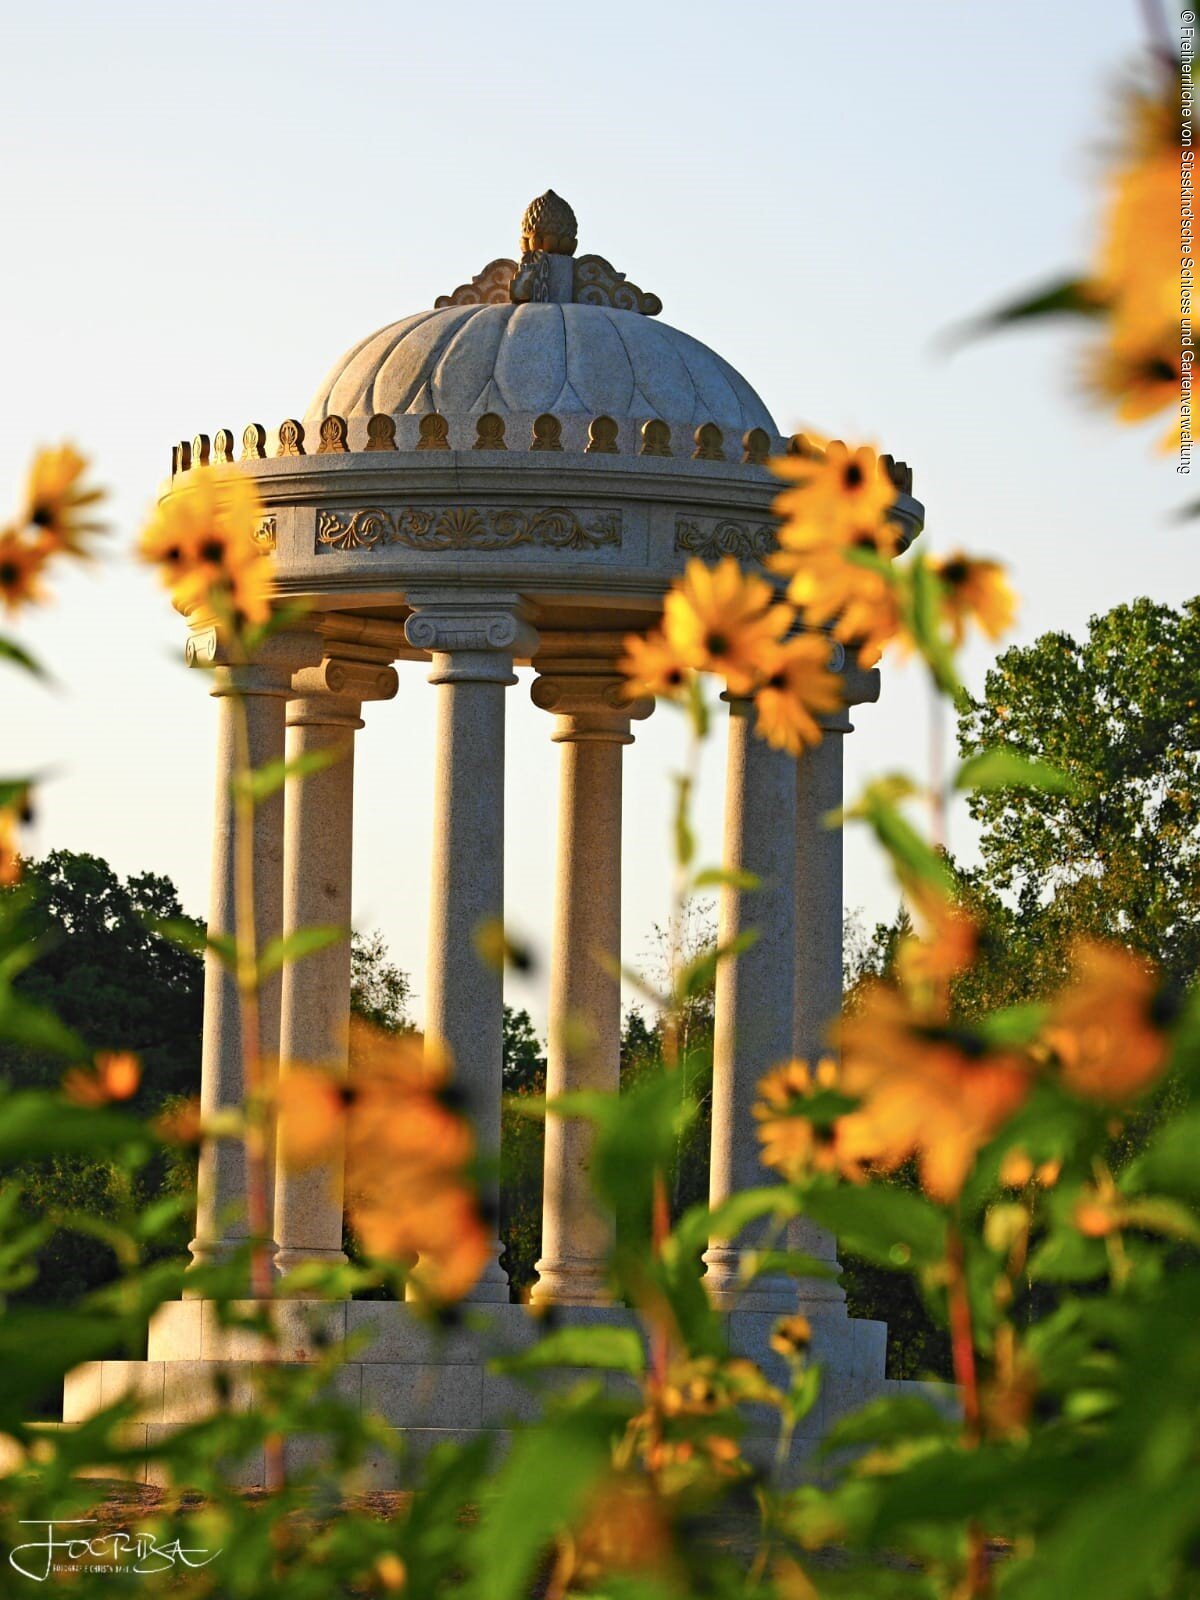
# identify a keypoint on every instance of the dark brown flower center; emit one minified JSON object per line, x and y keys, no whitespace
{"x":955,"y":573}
{"x":42,"y":516}
{"x":10,"y":574}
{"x":212,"y":550}
{"x":717,"y":644}
{"x":852,"y":477}
{"x":777,"y":680}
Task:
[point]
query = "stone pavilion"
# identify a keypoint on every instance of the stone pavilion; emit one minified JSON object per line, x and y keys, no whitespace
{"x":514,"y":476}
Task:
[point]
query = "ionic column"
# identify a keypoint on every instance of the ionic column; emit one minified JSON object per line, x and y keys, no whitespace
{"x":256,"y":693}
{"x":317,"y":882}
{"x":819,"y":907}
{"x":591,"y":724}
{"x":754,"y":991}
{"x":472,"y":640}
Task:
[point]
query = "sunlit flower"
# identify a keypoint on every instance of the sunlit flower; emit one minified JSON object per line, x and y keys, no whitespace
{"x":687,"y":1429}
{"x":927,"y":1091}
{"x":1138,"y":268}
{"x":115,"y":1076}
{"x":1107,"y":1029}
{"x":1017,"y":1171}
{"x":624,"y":1528}
{"x":407,"y":1154}
{"x":653,"y":666}
{"x":791,"y":1336}
{"x":796,"y":689}
{"x":201,"y":538}
{"x":974,"y":591}
{"x":945,"y":946}
{"x":719,"y":619}
{"x":838,"y":495}
{"x":1138,"y":379}
{"x":792,"y":1143}
{"x":859,"y":602}
{"x":58,"y":505}
{"x":10,"y":858}
{"x":391,"y":1572}
{"x":22,"y":564}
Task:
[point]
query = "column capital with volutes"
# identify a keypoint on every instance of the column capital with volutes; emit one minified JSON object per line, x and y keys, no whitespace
{"x":268,"y":672}
{"x":579,"y":683}
{"x":472,"y":636}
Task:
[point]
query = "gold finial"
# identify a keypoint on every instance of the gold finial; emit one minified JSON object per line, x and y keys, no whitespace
{"x":549,"y":224}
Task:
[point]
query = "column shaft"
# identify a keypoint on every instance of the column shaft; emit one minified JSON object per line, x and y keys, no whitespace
{"x":584,"y":1051}
{"x":754,"y":991}
{"x":818,"y":953}
{"x":472,"y":639}
{"x":257,"y":694}
{"x":315,"y":1006}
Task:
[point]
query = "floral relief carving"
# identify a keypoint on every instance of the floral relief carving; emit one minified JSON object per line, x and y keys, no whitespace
{"x":486,"y":288}
{"x":712,"y":538}
{"x":264,"y":533}
{"x":467,"y":528}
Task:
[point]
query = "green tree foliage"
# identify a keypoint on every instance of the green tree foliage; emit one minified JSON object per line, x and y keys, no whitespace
{"x":379,"y":992}
{"x":1118,"y":854}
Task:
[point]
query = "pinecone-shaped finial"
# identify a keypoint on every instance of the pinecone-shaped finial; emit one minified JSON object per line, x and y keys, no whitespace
{"x":549,"y":224}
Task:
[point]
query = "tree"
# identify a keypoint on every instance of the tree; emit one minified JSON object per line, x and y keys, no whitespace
{"x":379,"y":992}
{"x":1117,"y":856}
{"x":104,"y":970}
{"x":524,"y":1064}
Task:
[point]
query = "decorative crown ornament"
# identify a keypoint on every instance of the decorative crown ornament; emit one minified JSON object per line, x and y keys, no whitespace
{"x":549,"y":224}
{"x":546,"y":271}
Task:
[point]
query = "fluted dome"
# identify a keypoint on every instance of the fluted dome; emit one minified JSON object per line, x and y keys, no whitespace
{"x":518,"y":360}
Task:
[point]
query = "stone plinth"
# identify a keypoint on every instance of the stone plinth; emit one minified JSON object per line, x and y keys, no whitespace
{"x":432,"y":1385}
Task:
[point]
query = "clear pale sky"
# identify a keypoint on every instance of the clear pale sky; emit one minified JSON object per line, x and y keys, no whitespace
{"x":202,"y":209}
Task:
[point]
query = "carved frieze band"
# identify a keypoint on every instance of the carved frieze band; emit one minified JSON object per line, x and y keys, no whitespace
{"x":466,"y":528}
{"x":710,"y":538}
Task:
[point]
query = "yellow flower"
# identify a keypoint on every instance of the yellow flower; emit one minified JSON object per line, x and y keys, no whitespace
{"x":859,"y":602}
{"x":719,"y":619}
{"x":10,"y":858}
{"x":408,"y":1189}
{"x":927,"y":1091}
{"x":1138,"y":378}
{"x":652,"y":666}
{"x":792,"y":1144}
{"x":116,"y":1077}
{"x":1138,"y":271}
{"x":974,"y":590}
{"x":791,"y":1336}
{"x":1107,"y":1029}
{"x":202,"y":540}
{"x":797,"y":688}
{"x":947,"y":944}
{"x":57,"y":503}
{"x":838,"y":496}
{"x":22,"y":562}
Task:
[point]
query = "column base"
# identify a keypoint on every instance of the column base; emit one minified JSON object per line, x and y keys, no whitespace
{"x":570,"y":1283}
{"x":729,"y":1289}
{"x":286,"y":1260}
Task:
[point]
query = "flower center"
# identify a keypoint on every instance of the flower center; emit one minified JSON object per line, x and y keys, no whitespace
{"x":212,"y":550}
{"x":717,"y":644}
{"x":852,"y":477}
{"x":42,"y":516}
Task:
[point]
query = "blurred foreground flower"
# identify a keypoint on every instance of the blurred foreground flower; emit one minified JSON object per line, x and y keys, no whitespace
{"x":58,"y":505}
{"x":1107,"y":1029}
{"x":408,"y":1186}
{"x":974,"y":591}
{"x":797,"y":687}
{"x":202,"y":539}
{"x":721,"y":620}
{"x":115,"y":1076}
{"x":839,"y":496}
{"x":22,"y":563}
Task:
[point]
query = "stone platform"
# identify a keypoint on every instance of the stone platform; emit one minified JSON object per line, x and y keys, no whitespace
{"x":432,"y":1385}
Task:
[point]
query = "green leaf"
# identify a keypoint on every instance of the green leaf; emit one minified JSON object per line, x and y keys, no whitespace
{"x":541,"y":1488}
{"x":295,"y":946}
{"x":696,"y":977}
{"x":1002,"y":768}
{"x":35,"y":1123}
{"x":884,"y":1223}
{"x":685,"y":838}
{"x":267,"y":780}
{"x":889,"y":1421}
{"x":700,"y":1223}
{"x":10,"y":650}
{"x":1073,"y":297}
{"x":23,"y":1023}
{"x":1068,"y":1257}
{"x":913,"y":858}
{"x":13,"y":791}
{"x":726,"y":878}
{"x":925,"y":619}
{"x":597,"y":1345}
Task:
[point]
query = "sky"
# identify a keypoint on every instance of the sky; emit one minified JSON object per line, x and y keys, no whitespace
{"x":201,"y":214}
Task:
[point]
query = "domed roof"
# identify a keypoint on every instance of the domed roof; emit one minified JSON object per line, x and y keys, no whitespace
{"x":464,"y":360}
{"x":550,"y":333}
